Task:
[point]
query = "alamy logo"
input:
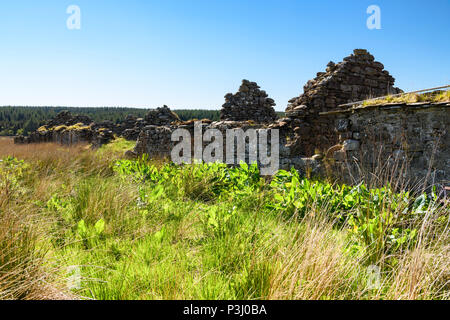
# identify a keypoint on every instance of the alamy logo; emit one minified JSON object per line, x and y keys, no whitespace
{"x":374,"y":20}
{"x":240,"y":145}
{"x":373,"y":277}
{"x":74,"y":20}
{"x":74,"y":277}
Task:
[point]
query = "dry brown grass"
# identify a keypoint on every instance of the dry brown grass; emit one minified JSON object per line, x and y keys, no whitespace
{"x":419,"y":273}
{"x":52,"y":157}
{"x":316,"y":266}
{"x":48,"y":152}
{"x":437,"y":96}
{"x":26,"y":270}
{"x":19,"y":261}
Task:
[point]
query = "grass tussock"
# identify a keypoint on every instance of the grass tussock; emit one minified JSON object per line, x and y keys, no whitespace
{"x":78,"y":223}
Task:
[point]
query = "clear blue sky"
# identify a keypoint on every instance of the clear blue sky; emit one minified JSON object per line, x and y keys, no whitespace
{"x":189,"y":53}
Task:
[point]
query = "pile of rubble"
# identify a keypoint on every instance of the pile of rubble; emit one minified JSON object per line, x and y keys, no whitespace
{"x":161,"y":116}
{"x":131,"y":128}
{"x":249,"y":103}
{"x":67,"y":119}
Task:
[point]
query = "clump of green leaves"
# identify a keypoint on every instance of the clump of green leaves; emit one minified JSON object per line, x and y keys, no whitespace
{"x":379,"y":218}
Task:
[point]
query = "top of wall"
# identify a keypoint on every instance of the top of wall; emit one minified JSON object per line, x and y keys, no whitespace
{"x":389,"y":106}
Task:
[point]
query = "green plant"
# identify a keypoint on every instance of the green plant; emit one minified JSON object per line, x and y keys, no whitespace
{"x":147,"y":229}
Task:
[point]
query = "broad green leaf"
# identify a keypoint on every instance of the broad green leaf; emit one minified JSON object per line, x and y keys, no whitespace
{"x":99,"y":226}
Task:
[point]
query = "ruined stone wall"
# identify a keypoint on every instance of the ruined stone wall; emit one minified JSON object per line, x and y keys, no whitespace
{"x":67,"y":129}
{"x":357,"y":78}
{"x":161,"y":116}
{"x":68,"y":136}
{"x":412,"y":140}
{"x":249,"y":103}
{"x":156,"y":141}
{"x":132,"y":126}
{"x":311,"y":135}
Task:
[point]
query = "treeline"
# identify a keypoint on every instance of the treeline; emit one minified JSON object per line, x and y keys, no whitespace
{"x":186,"y":115}
{"x":23,"y":120}
{"x":213,"y":115}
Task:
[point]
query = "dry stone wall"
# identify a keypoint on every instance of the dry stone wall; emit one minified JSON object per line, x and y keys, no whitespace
{"x":70,"y":129}
{"x":358,"y":77}
{"x":67,"y":129}
{"x":161,"y":116}
{"x":154,"y":141}
{"x":157,"y":142}
{"x":132,"y":126}
{"x":411,"y":139}
{"x":249,"y":103}
{"x":314,"y":136}
{"x":315,"y":132}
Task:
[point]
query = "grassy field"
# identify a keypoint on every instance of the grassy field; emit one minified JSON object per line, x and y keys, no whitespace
{"x":83,"y":224}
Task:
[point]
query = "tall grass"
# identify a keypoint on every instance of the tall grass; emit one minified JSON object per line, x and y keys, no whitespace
{"x":148,"y":230}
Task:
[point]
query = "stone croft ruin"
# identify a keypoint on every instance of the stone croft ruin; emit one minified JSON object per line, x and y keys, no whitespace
{"x":318,"y":135}
{"x":68,"y":129}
